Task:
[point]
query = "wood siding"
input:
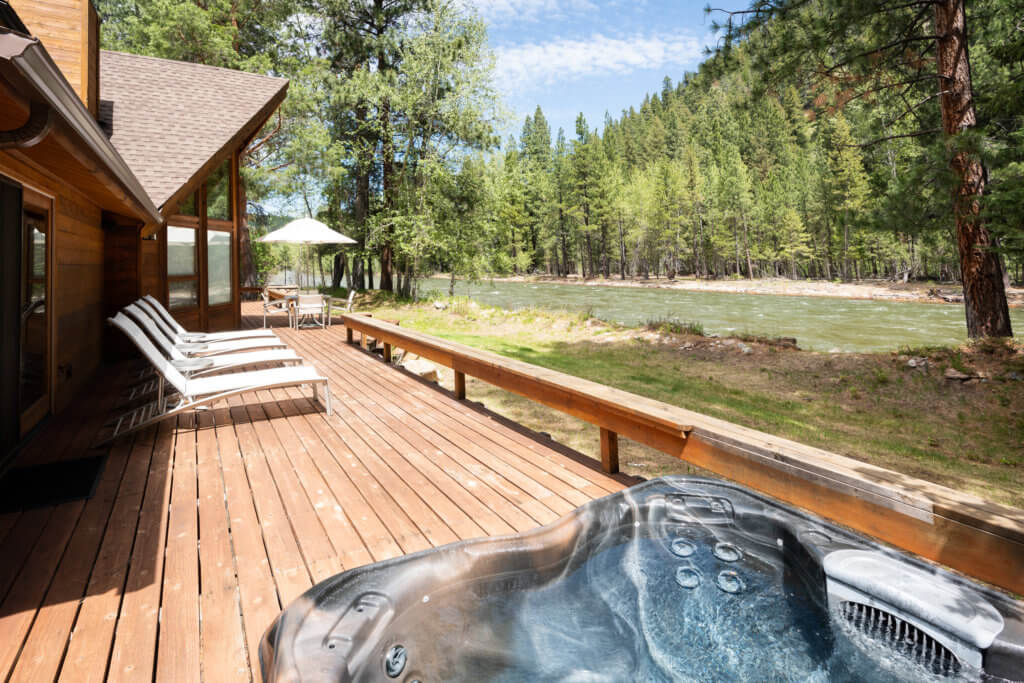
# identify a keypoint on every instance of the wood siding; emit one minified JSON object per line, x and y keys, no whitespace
{"x":77,"y":289}
{"x":69,"y":30}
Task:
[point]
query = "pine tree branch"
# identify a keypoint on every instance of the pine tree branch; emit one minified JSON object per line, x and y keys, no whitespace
{"x":916,"y":134}
{"x":876,"y":50}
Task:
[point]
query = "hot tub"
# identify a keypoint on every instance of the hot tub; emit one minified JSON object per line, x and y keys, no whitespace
{"x":678,"y":578}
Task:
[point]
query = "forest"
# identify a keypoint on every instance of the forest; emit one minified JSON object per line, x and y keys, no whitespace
{"x":819,"y":139}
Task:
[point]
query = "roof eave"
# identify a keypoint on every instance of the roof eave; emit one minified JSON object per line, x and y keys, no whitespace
{"x":27,"y":60}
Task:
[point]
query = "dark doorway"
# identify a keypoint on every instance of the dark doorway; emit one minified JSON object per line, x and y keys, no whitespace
{"x":10,"y":314}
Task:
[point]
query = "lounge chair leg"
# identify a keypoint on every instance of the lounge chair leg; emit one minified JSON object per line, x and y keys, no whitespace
{"x":327,"y":391}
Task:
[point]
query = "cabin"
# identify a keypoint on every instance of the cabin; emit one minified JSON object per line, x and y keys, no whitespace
{"x":119,"y":177}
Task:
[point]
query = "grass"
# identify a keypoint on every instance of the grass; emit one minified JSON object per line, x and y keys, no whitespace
{"x":871,"y":407}
{"x":675,"y":326}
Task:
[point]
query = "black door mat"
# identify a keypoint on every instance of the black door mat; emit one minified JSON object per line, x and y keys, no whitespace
{"x":50,"y":484}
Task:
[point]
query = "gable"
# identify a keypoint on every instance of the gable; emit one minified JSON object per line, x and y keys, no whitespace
{"x":169,"y":120}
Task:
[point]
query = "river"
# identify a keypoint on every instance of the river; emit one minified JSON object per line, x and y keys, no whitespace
{"x":817,"y":323}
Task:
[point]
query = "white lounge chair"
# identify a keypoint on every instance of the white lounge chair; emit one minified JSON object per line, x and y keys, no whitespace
{"x":193,"y":346}
{"x":198,"y":392}
{"x":196,"y":367}
{"x":164,"y":316}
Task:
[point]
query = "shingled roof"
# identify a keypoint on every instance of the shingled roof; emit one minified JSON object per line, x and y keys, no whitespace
{"x":167,"y":118}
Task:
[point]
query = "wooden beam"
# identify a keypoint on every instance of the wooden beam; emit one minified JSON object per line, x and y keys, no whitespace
{"x":609,"y":451}
{"x":460,"y":385}
{"x":387,"y":352}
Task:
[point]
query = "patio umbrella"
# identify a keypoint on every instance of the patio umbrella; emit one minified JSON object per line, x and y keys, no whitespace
{"x":306,"y":231}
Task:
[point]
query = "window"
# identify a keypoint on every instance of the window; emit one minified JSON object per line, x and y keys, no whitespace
{"x":182,"y":275}
{"x":188,"y":206}
{"x":218,"y":259}
{"x":218,"y":193}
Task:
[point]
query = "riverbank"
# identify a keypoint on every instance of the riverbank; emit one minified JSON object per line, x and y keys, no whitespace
{"x":895,"y":410}
{"x":875,"y":290}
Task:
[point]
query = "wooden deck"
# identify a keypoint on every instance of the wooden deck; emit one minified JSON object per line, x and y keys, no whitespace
{"x":200,"y":532}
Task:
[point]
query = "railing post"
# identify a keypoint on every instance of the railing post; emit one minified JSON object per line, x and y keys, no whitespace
{"x":460,"y":385}
{"x":609,"y":451}
{"x":387,"y":352}
{"x":362,"y":339}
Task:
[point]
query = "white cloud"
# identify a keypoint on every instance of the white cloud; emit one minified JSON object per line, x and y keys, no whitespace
{"x":560,"y":60}
{"x":528,"y":10}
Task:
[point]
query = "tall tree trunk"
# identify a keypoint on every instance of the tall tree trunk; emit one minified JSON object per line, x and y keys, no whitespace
{"x":358,"y":274}
{"x":246,"y":268}
{"x":369,"y":272}
{"x":387,"y":165}
{"x":984,"y":296}
{"x":622,"y":251}
{"x":746,"y":248}
{"x":565,"y":245}
{"x":338,"y":270}
{"x":604,"y":249}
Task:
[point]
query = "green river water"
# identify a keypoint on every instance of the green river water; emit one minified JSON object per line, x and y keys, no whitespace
{"x":818,"y":323}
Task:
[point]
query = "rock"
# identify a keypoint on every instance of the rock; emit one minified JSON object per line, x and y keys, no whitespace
{"x":954,"y":374}
{"x":787,"y":342}
{"x":835,"y":349}
{"x":637,"y":464}
{"x":440,"y":305}
{"x":919,"y":363}
{"x":1013,"y":376}
{"x":423,"y":368}
{"x":744,"y":348}
{"x":687,"y":346}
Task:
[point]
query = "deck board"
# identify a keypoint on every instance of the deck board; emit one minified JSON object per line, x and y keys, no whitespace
{"x":202,"y":529}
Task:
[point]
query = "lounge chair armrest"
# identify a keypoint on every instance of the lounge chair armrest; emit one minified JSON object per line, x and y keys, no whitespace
{"x":190,"y":348}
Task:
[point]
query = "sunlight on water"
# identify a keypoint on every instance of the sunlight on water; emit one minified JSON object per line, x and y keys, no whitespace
{"x":817,"y":323}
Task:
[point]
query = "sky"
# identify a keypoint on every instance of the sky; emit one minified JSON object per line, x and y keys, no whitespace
{"x":592,"y":56}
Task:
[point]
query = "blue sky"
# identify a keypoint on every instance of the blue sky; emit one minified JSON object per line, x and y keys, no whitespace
{"x":592,"y":56}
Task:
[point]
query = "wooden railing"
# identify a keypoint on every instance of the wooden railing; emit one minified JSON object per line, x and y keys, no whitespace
{"x":975,"y":536}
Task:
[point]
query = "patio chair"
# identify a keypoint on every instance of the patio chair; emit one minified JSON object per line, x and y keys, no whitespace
{"x":167,"y":319}
{"x":309,"y":308}
{"x":208,"y":348}
{"x":275,"y":306}
{"x":195,"y":393}
{"x":196,"y":367}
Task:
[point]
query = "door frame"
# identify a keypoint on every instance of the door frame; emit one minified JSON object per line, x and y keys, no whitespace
{"x":34,"y":198}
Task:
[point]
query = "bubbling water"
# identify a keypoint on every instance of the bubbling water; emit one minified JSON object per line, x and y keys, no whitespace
{"x":637,"y":607}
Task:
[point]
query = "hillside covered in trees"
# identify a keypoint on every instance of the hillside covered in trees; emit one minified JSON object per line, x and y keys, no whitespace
{"x":809,"y":145}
